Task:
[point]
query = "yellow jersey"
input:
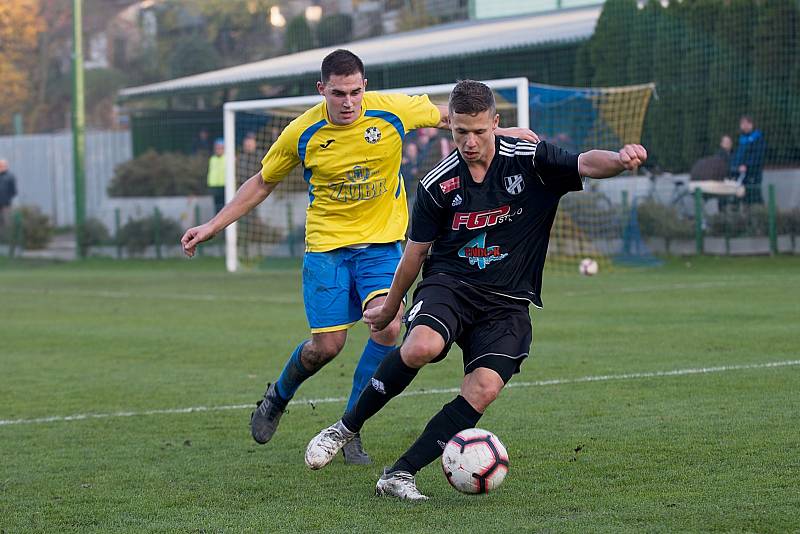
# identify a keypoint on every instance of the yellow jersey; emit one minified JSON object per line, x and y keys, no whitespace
{"x":355,"y":189}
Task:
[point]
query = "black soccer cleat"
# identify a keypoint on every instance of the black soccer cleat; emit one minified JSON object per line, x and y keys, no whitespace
{"x":264,"y":419}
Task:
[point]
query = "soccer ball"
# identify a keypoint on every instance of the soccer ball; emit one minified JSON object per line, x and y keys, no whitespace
{"x":475,"y":461}
{"x":588,"y":267}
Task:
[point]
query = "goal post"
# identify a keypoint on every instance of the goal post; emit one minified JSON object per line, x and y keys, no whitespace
{"x":591,"y":223}
{"x":264,"y":233}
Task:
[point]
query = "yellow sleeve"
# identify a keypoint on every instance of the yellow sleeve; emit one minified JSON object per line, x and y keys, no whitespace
{"x":414,"y":111}
{"x":281,"y":158}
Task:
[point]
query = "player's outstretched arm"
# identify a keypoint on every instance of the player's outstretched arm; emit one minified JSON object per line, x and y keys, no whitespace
{"x":251,"y":194}
{"x":605,"y":164}
{"x":407,"y":270}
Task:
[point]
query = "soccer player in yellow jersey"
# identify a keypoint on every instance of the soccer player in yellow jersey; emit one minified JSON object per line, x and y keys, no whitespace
{"x":350,"y":147}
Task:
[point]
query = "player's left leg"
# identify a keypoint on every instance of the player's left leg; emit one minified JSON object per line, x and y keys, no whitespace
{"x":478,"y":390}
{"x":433,"y":324}
{"x":373,"y":269}
{"x":491,"y":357}
{"x":330,"y":310}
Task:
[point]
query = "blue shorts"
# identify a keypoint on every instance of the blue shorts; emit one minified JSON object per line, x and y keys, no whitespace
{"x":338,"y":284}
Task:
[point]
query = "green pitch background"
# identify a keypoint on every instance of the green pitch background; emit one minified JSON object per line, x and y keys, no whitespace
{"x":688,"y":452}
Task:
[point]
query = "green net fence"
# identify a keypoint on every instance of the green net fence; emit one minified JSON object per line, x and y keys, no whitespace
{"x":711,"y":63}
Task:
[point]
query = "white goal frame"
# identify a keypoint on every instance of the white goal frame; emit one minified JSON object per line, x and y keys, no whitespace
{"x":229,"y":132}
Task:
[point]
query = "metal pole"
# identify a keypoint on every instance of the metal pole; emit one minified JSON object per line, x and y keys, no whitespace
{"x":626,"y":233}
{"x":229,"y":129}
{"x":117,"y":235}
{"x":698,"y":220}
{"x":157,"y":231}
{"x":16,"y":235}
{"x":773,"y":227}
{"x":78,"y":125}
{"x":18,"y":127}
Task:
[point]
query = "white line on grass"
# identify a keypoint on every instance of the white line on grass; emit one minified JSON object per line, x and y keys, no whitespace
{"x":115,"y":295}
{"x":434,"y":391}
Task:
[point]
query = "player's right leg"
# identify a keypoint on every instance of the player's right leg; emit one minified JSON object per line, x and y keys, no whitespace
{"x":494,"y":346}
{"x":394,"y":374}
{"x":433,"y":325}
{"x":330,"y":312}
{"x":308,"y":358}
{"x":462,"y":412}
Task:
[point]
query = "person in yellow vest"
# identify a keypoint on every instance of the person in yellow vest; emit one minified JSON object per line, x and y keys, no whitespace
{"x":350,"y":148}
{"x":216,"y":174}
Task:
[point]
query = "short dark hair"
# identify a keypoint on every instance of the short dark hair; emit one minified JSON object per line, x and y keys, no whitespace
{"x":471,"y":97}
{"x":747,"y":117}
{"x":342,"y":63}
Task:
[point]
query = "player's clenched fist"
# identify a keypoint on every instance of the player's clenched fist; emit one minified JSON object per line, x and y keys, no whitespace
{"x":632,"y":156}
{"x":378,"y":318}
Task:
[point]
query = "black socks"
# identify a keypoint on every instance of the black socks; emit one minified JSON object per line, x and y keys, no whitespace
{"x":454,"y":417}
{"x":389,"y":380}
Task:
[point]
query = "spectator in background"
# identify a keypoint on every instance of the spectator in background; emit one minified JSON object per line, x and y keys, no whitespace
{"x":248,"y":161}
{"x":202,"y":143}
{"x":216,"y":174}
{"x":748,"y":161}
{"x":8,"y":190}
{"x":716,"y":166}
{"x":428,"y":148}
{"x":409,"y":167}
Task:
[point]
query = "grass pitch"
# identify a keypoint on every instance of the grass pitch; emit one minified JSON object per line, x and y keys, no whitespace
{"x":650,"y":403}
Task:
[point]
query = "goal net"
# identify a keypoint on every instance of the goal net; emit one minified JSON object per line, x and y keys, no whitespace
{"x":593,"y":223}
{"x":276,"y":228}
{"x":588,"y":224}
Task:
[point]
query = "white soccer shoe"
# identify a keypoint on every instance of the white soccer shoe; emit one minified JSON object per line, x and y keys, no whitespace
{"x":323,"y":447}
{"x":399,"y":484}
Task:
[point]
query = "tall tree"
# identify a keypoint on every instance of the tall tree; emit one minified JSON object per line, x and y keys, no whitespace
{"x":335,"y":29}
{"x":700,"y":18}
{"x":642,"y":37}
{"x":774,"y":48}
{"x":298,"y":35}
{"x":192,"y":54}
{"x":239,"y":29}
{"x":611,"y":49}
{"x":731,"y":65}
{"x":20,"y":26}
{"x":666,"y":114}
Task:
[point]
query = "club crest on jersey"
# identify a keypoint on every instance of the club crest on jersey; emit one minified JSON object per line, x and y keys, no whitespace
{"x":372,"y":135}
{"x":479,"y":254}
{"x":358,"y":174}
{"x":449,"y":185}
{"x":514,"y":184}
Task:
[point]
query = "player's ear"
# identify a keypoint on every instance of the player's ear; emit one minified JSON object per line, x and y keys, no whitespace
{"x":321,"y":88}
{"x":496,"y":121}
{"x":365,"y":84}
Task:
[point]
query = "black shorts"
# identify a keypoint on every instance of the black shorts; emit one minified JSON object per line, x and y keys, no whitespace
{"x":493,"y":331}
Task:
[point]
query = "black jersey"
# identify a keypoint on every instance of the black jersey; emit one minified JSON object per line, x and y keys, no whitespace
{"x":494,"y":234}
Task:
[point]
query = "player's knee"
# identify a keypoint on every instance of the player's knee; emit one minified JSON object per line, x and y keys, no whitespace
{"x":480,"y":391}
{"x":388,"y":336}
{"x":419,"y":350}
{"x":321,"y":350}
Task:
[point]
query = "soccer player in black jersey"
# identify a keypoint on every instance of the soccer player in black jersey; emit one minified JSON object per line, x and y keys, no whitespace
{"x":479,"y":231}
